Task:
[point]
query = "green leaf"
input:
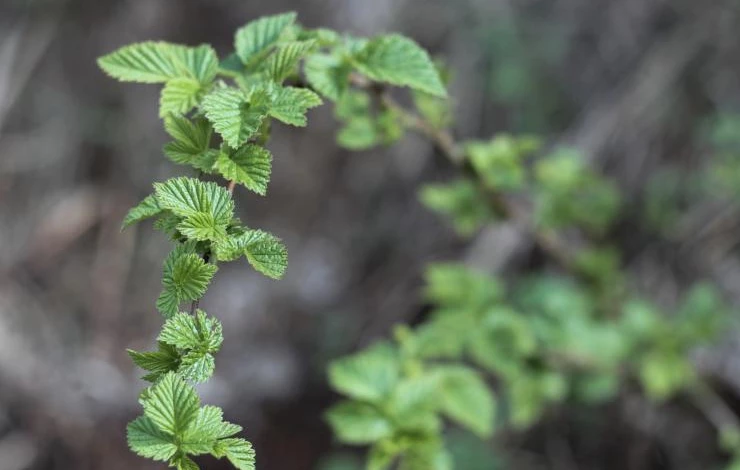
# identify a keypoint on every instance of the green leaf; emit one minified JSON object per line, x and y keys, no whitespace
{"x":193,"y":332}
{"x":413,"y":404}
{"x":290,"y":104}
{"x":498,"y":162}
{"x":171,"y":404}
{"x":187,"y":275}
{"x":158,"y":363}
{"x":197,"y":366}
{"x":188,"y":196}
{"x":398,"y":60}
{"x":284,"y":61}
{"x":146,"y":440}
{"x":328,"y":75}
{"x":249,"y":165}
{"x":209,"y":425}
{"x":167,"y":303}
{"x":358,"y":134}
{"x":156,"y":62}
{"x":202,"y":226}
{"x":264,"y":251}
{"x":358,"y":423}
{"x":179,"y":96}
{"x":462,"y":201}
{"x":368,"y":375}
{"x":192,"y":142}
{"x":239,"y":452}
{"x":426,"y":454}
{"x":456,"y":285}
{"x":146,"y":62}
{"x":183,"y":462}
{"x":257,"y":37}
{"x":467,"y":399}
{"x":235,"y":115}
{"x":147,"y":208}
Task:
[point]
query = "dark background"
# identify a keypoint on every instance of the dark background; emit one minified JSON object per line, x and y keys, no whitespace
{"x":628,"y":82}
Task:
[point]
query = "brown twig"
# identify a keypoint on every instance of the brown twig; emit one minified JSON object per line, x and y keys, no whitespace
{"x":443,"y":139}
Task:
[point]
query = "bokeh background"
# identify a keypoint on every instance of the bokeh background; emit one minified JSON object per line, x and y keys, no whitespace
{"x":630,"y":83}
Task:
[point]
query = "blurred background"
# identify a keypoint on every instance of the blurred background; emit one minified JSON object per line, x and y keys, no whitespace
{"x":644,"y":88}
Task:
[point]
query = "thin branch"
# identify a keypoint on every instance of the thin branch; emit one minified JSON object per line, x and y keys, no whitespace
{"x":443,"y":139}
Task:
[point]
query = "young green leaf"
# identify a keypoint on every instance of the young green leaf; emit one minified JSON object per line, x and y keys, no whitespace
{"x":289,"y":104}
{"x":239,"y":452}
{"x":171,"y":404}
{"x":368,"y":375}
{"x":157,"y":363}
{"x":147,"y":440}
{"x":235,"y":115}
{"x":193,"y":332}
{"x":284,"y":61}
{"x":188,"y":196}
{"x":147,"y":208}
{"x":328,"y":75}
{"x":187,"y":275}
{"x":257,"y":37}
{"x":158,"y":62}
{"x":179,"y":96}
{"x":466,"y":398}
{"x":398,"y":60}
{"x":249,"y":165}
{"x":358,"y":423}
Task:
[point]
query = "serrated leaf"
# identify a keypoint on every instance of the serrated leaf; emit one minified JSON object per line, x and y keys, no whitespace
{"x":235,"y":115}
{"x":158,"y":363}
{"x":146,"y":62}
{"x":368,"y":375}
{"x":147,"y":208}
{"x":183,"y":462}
{"x":289,"y":105}
{"x":188,"y":196}
{"x":156,"y":62}
{"x":193,"y":136}
{"x":200,"y":62}
{"x":209,"y":426}
{"x":249,"y":165}
{"x":398,"y":60}
{"x":187,"y":275}
{"x":171,"y":404}
{"x":284,"y":61}
{"x":146,"y":440}
{"x":268,"y":256}
{"x":197,"y":366}
{"x":466,"y":399}
{"x":256,"y":37}
{"x":239,"y":452}
{"x":264,"y":251}
{"x":193,"y":332}
{"x":358,"y":423}
{"x":167,"y":303}
{"x":202,"y":226}
{"x":179,"y":96}
{"x":327,"y":74}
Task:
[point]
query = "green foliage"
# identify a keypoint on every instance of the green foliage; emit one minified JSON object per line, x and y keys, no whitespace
{"x":398,"y":60}
{"x":568,"y":193}
{"x":542,"y":340}
{"x":500,"y":161}
{"x":174,"y":425}
{"x":460,"y":200}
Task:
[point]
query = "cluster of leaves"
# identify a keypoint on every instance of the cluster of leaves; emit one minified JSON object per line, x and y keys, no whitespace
{"x":218,"y":114}
{"x":565,"y":192}
{"x":545,"y":342}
